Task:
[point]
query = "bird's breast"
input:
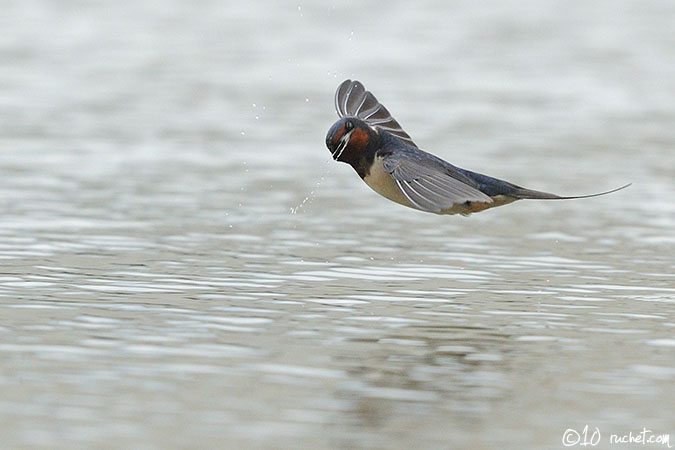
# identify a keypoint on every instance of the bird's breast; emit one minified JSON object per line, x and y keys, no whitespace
{"x":381,"y":182}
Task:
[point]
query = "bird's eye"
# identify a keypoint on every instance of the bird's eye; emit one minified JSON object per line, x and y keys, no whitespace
{"x":349,"y":125}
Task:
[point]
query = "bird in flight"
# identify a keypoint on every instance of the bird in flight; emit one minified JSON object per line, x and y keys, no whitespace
{"x":369,"y":139}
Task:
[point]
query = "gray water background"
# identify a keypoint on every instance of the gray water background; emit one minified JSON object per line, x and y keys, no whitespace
{"x":184,"y":266}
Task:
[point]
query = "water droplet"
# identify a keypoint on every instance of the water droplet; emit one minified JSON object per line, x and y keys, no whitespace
{"x":307,"y":99}
{"x":243,"y":134}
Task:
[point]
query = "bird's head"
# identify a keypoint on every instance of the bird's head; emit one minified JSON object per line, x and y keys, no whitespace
{"x":349,"y":138}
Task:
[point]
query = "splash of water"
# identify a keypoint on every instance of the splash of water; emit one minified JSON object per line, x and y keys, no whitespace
{"x":312,"y":193}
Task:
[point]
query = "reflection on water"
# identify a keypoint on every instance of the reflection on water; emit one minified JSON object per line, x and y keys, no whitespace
{"x":183,"y":263}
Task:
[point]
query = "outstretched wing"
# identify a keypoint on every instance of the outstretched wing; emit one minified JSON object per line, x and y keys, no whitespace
{"x":352,"y":99}
{"x":429,"y":185}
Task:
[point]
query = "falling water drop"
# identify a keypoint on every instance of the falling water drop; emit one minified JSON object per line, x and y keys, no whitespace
{"x":312,"y":193}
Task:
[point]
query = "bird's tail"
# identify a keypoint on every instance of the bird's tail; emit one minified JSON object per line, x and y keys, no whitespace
{"x":522,"y":193}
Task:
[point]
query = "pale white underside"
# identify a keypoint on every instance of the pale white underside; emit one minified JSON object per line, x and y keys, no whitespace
{"x":381,"y":182}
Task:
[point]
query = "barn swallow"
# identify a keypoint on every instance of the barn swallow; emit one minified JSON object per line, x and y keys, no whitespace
{"x":369,"y":139}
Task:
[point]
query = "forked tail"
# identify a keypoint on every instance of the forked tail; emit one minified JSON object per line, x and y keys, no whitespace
{"x":523,"y":193}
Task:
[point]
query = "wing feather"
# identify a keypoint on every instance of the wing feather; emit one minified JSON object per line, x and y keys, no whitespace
{"x":352,"y":99}
{"x":430,"y":185}
{"x":340,"y":95}
{"x":370,"y":112}
{"x":355,"y":97}
{"x":403,"y":186}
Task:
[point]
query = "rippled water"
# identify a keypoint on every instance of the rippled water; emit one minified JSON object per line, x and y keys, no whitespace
{"x":183,"y":266}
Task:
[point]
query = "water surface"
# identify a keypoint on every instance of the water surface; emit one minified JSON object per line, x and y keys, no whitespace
{"x":184,"y":266}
